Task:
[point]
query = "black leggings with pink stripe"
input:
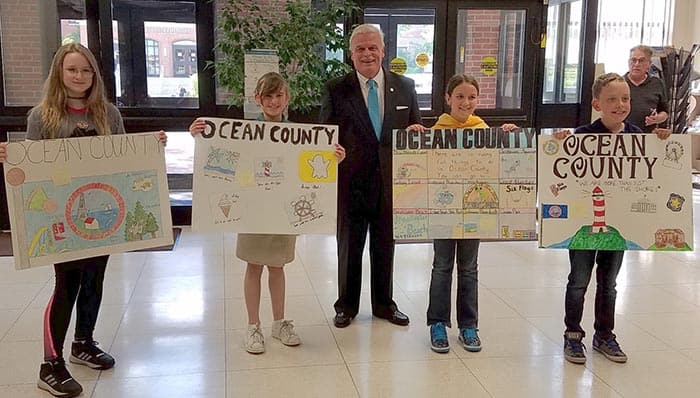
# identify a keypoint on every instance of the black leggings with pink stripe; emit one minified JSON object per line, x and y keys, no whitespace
{"x":81,"y":280}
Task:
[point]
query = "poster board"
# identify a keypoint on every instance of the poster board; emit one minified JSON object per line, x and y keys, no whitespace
{"x":76,"y":198}
{"x":264,"y":177}
{"x":464,"y":183}
{"x":615,"y":192}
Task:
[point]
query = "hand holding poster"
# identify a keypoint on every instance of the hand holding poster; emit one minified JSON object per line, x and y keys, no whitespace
{"x":615,"y":192}
{"x":265,"y":177}
{"x":75,"y":198}
{"x":464,"y":183}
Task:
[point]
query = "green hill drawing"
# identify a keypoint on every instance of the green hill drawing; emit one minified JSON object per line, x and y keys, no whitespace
{"x":685,"y":247}
{"x":585,"y":240}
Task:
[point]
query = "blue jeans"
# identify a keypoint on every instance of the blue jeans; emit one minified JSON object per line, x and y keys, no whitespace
{"x":467,"y":282}
{"x":582,"y":262}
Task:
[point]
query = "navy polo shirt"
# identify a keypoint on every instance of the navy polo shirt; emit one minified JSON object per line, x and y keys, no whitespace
{"x":598,"y":127}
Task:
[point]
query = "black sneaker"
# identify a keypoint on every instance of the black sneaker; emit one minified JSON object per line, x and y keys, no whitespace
{"x":55,"y":378}
{"x":574,"y":350}
{"x":86,"y":353}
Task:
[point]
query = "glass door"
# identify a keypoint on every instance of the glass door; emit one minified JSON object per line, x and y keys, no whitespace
{"x":497,"y":42}
{"x":493,"y":42}
{"x":562,"y":64}
{"x":409,"y":37}
{"x":490,"y":47}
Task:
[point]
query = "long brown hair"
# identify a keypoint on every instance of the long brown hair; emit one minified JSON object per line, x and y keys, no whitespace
{"x":53,"y":101}
{"x":458,"y":79}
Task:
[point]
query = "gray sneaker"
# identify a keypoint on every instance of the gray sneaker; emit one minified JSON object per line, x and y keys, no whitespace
{"x":284,"y":331}
{"x":610,"y":348}
{"x":254,"y":340}
{"x":574,"y":350}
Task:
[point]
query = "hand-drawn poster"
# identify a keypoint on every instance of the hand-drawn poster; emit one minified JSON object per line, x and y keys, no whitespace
{"x":264,"y":177}
{"x":464,"y":183}
{"x":615,"y":192}
{"x":75,"y":198}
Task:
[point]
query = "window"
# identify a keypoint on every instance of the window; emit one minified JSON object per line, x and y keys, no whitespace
{"x":490,"y":45}
{"x":409,"y":36}
{"x":185,"y":61}
{"x":152,"y":58}
{"x":562,"y":65}
{"x":625,"y":24}
{"x":171,"y":81}
{"x":157,"y":44}
{"x":414,"y":44}
{"x":337,"y":54}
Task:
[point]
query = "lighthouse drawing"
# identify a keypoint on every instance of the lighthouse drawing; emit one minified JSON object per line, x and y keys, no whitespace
{"x":598,"y":211}
{"x":599,"y":234}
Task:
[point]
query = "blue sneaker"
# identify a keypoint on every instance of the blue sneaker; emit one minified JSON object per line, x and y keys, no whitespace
{"x":610,"y":348}
{"x":470,"y":339}
{"x":438,"y":338}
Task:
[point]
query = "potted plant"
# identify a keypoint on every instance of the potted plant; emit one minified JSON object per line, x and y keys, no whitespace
{"x":301,"y":35}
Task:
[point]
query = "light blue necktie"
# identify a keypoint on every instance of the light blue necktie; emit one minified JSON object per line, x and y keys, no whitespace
{"x":373,"y":107}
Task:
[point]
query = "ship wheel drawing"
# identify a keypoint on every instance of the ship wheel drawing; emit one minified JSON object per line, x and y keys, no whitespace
{"x":303,"y":208}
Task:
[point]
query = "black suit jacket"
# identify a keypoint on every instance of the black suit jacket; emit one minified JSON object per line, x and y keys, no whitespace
{"x":366,"y":170}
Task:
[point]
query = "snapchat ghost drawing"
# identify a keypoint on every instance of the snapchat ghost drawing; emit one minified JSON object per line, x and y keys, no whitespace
{"x":319,"y":166}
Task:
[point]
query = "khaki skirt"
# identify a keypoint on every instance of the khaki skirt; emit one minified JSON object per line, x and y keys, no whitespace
{"x":266,"y":249}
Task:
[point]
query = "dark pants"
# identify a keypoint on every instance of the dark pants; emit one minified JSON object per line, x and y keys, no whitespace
{"x":467,"y":282}
{"x":582,"y":262}
{"x":81,"y":280}
{"x":355,"y":217}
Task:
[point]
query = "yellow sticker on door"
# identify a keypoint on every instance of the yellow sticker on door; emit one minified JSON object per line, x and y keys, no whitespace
{"x":398,"y":65}
{"x":489,"y":66}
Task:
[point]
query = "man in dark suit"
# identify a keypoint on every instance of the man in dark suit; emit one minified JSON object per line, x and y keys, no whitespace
{"x":367,"y":104}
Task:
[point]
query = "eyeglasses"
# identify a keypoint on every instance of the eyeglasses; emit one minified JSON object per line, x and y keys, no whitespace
{"x":82,"y":72}
{"x":637,"y":60}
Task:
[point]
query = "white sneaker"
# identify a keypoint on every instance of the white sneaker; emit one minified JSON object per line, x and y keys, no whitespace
{"x":284,"y":331}
{"x":254,"y":340}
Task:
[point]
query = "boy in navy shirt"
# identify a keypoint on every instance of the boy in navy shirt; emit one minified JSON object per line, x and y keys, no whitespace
{"x":611,"y":97}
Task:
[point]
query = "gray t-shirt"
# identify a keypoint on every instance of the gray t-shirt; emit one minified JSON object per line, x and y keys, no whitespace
{"x":651,"y":94}
{"x":76,"y":125}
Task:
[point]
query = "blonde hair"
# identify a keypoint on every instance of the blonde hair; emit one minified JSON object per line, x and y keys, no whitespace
{"x":54,"y":99}
{"x":271,"y":83}
{"x":603,"y":80}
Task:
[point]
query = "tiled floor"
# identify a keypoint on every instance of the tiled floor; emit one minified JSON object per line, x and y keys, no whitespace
{"x":175,"y":321}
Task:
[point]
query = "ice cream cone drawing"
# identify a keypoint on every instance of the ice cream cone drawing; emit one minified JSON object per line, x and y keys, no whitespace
{"x":225,"y":205}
